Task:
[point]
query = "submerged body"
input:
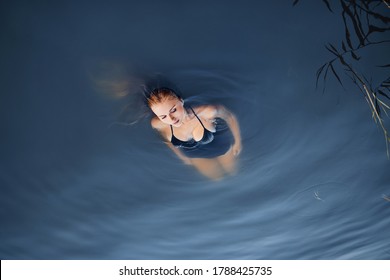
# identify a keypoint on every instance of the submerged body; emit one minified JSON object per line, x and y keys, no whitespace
{"x":206,"y":137}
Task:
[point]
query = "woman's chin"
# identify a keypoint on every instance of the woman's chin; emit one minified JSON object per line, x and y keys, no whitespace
{"x":177,"y":124}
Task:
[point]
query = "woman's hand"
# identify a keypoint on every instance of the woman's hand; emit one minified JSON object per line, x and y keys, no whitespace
{"x":236,"y":148}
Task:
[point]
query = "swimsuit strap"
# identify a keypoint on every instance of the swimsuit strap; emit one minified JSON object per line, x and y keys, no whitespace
{"x":197,"y":117}
{"x":172,"y":131}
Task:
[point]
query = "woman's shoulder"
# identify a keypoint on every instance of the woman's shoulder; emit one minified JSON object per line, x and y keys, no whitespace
{"x":161,"y":127}
{"x":157,"y":124}
{"x":206,"y":111}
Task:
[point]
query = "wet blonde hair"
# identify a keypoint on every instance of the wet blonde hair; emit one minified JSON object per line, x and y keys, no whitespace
{"x":159,"y":95}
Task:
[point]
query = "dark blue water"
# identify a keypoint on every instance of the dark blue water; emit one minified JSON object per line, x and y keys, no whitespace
{"x":75,"y":184}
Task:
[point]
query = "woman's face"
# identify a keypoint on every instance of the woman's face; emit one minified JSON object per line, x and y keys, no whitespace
{"x":170,"y":111}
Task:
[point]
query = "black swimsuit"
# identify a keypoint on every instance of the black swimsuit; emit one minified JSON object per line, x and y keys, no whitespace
{"x":211,"y":145}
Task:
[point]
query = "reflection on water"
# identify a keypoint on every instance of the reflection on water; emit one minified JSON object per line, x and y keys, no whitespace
{"x":312,"y":170}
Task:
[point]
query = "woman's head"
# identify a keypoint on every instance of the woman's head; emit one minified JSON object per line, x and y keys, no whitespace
{"x":167,"y":106}
{"x":159,"y":95}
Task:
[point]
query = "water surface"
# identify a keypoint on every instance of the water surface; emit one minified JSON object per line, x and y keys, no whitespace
{"x":76,"y":185}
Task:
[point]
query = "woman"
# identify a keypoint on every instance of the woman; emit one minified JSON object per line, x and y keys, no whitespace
{"x":197,"y":135}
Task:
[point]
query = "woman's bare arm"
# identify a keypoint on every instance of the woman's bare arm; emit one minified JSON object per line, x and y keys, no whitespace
{"x":223,"y":113}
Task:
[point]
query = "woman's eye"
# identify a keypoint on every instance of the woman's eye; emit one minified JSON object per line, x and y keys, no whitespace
{"x":173,"y":110}
{"x":163,"y":117}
